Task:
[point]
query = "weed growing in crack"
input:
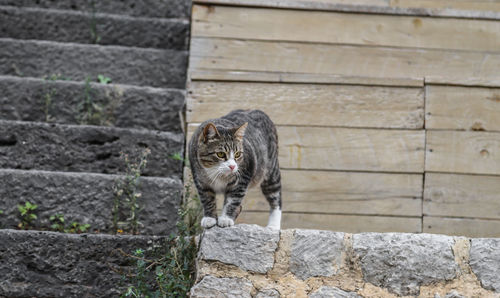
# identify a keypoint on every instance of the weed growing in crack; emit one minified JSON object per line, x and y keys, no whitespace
{"x":90,"y":112}
{"x":170,"y":272}
{"x":95,"y":37}
{"x":126,"y":194}
{"x":103,"y":79}
{"x":27,"y":214}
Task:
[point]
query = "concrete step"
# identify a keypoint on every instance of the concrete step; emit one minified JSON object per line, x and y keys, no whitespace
{"x":144,"y":8}
{"x":30,"y":99}
{"x":48,"y":264}
{"x":124,"y":65}
{"x":84,"y":27}
{"x":78,"y":148}
{"x":87,"y":199}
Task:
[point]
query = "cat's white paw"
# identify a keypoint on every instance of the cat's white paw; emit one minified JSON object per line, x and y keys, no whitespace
{"x":275,"y":219}
{"x":208,"y":222}
{"x":225,"y":221}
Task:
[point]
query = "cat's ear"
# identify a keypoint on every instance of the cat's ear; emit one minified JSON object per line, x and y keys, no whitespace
{"x":210,"y":132}
{"x":240,"y":132}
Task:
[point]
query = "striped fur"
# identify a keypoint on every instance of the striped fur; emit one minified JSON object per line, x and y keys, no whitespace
{"x":230,"y":154}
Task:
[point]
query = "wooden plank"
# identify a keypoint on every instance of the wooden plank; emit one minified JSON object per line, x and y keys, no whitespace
{"x":462,"y":196}
{"x":344,"y":223}
{"x":462,"y":227}
{"x":463,"y":152}
{"x":462,"y":108}
{"x":364,"y":6}
{"x":306,"y":104}
{"x":344,"y":28}
{"x":378,"y":62}
{"x":349,"y":149}
{"x":344,"y":193}
{"x":277,"y":77}
{"x":473,"y":5}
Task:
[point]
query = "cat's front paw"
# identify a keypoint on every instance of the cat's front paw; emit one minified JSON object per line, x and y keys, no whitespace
{"x":225,"y":221}
{"x":208,"y":222}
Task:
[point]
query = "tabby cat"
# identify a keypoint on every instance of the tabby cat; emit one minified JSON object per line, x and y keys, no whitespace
{"x":230,"y":154}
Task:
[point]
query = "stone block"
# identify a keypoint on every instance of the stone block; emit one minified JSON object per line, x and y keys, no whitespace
{"x":47,"y":264}
{"x":30,"y":99}
{"x":124,"y":65}
{"x":316,"y":253}
{"x":403,"y":262}
{"x":249,"y":247}
{"x":329,"y":292}
{"x":215,"y":287}
{"x":71,"y":26}
{"x":51,"y":147}
{"x":485,"y":262}
{"x":87,"y":199}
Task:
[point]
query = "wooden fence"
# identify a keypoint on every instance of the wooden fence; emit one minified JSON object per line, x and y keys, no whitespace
{"x":388,"y":112}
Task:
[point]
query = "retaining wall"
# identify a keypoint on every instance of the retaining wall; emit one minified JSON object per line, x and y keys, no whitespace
{"x":251,"y":261}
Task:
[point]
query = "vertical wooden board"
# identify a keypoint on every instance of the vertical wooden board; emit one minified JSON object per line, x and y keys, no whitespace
{"x":462,"y":108}
{"x":463,"y":152}
{"x":245,"y":55}
{"x":344,"y":28}
{"x":351,"y":149}
{"x":474,"y":5}
{"x":344,"y":223}
{"x":462,"y":195}
{"x":310,"y":104}
{"x":468,"y":227}
{"x":344,"y":193}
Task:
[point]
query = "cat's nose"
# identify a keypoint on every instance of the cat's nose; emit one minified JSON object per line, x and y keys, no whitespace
{"x":232,"y":167}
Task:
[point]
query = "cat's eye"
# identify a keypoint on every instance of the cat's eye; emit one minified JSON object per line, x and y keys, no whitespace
{"x":237,"y":154}
{"x":221,"y":154}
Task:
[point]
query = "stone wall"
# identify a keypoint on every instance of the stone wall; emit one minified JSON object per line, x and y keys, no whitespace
{"x":251,"y":261}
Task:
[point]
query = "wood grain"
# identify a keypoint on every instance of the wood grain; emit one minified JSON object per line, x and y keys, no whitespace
{"x":467,"y":8}
{"x":343,"y":193}
{"x":463,"y":152}
{"x":349,"y":149}
{"x":378,"y":62}
{"x":307,"y":104}
{"x":462,"y":108}
{"x":288,"y":77}
{"x":474,"y":5}
{"x":477,"y":228}
{"x":344,"y":223}
{"x":344,"y":28}
{"x":462,"y":196}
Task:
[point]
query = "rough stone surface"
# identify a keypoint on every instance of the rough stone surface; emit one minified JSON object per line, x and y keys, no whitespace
{"x":147,"y":8}
{"x":69,"y":26}
{"x":215,"y":287}
{"x":485,"y":262}
{"x":51,"y":147}
{"x":316,"y":253}
{"x":124,"y":65}
{"x":403,"y":262}
{"x":25,"y":99}
{"x":268,"y":293}
{"x":47,"y":264}
{"x":87,"y":199}
{"x":249,"y":247}
{"x":328,"y":292}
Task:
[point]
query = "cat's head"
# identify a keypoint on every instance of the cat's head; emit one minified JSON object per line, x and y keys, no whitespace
{"x":220,"y":150}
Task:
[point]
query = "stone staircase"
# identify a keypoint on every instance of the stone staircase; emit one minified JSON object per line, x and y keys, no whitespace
{"x":61,"y":134}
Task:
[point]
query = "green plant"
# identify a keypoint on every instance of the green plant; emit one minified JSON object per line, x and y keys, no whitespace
{"x":126,"y":193}
{"x":27,"y":212}
{"x":56,"y":77}
{"x":77,"y":228}
{"x":48,"y":103}
{"x":103,"y":80}
{"x":57,"y":223}
{"x":90,"y":112}
{"x":93,"y":24}
{"x":171,"y":272}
